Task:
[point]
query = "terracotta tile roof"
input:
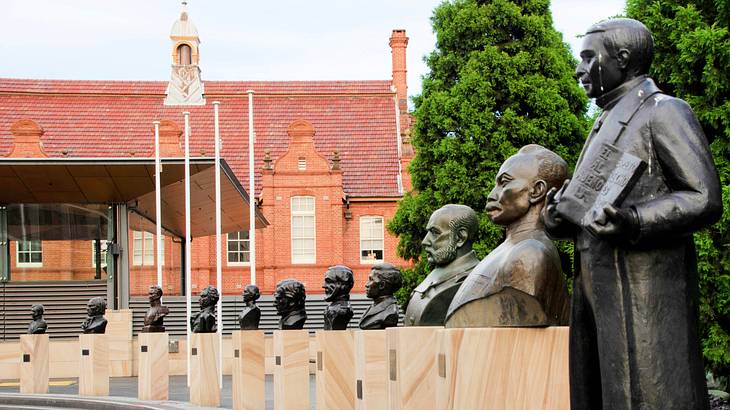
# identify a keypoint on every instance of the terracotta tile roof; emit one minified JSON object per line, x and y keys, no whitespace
{"x":114,"y":118}
{"x":211,"y":87}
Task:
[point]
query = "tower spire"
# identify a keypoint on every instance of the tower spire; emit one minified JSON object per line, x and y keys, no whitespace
{"x":185,"y":87}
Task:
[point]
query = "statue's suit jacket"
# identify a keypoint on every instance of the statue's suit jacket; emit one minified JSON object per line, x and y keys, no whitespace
{"x":381,"y":315}
{"x":634,"y":342}
{"x":294,"y":320}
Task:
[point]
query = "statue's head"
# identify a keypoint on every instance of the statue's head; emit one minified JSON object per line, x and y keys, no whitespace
{"x":450,"y":232}
{"x":96,"y":306}
{"x":522,"y":182}
{"x":289,"y":296}
{"x":251,"y":293}
{"x":36,"y":311}
{"x":613,"y":52}
{"x":155,"y":293}
{"x":338,"y":281}
{"x":209,"y":297}
{"x":384,"y":280}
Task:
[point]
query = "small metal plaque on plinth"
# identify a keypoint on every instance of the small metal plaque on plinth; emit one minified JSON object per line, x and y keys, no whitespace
{"x":393,"y":364}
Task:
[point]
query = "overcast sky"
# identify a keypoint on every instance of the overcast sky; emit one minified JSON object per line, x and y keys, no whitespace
{"x":240,"y":40}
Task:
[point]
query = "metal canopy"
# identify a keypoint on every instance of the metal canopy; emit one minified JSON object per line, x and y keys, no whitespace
{"x":132,"y":181}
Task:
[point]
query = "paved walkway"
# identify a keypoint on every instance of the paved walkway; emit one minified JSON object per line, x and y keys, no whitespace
{"x":127,"y":387}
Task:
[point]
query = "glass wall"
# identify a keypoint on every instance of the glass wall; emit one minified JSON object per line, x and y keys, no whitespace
{"x":55,"y":241}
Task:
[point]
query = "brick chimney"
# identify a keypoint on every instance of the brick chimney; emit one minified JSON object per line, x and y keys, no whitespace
{"x":398,"y":44}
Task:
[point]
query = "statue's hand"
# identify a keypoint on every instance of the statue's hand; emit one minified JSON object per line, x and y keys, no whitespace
{"x":550,"y":215}
{"x":615,"y":223}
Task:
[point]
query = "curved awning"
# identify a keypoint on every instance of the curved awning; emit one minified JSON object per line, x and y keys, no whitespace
{"x":131,"y":181}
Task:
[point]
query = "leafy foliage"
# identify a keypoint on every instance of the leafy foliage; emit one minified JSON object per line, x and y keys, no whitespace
{"x":692,"y":59}
{"x":500,"y":78}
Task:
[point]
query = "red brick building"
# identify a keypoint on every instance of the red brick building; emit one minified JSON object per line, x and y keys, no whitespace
{"x":330,"y":160}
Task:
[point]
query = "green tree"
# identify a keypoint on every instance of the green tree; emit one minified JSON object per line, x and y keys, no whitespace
{"x":692,"y":47}
{"x":500,"y":78}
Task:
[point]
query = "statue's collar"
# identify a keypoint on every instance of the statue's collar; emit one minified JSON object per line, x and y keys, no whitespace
{"x":294,"y":316}
{"x":609,"y":99}
{"x":380,"y":304}
{"x":441,"y":274}
{"x":387,"y":299}
{"x":338,"y":302}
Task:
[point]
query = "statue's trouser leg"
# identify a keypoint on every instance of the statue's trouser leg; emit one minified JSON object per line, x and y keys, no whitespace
{"x":585,"y":374}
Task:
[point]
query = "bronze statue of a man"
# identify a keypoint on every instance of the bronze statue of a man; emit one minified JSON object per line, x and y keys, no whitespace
{"x":205,"y":320}
{"x":38,"y":325}
{"x":633,"y":338}
{"x":384,"y":280}
{"x":450,"y":233}
{"x":520,"y":283}
{"x":251,"y":314}
{"x":289,"y":300}
{"x":155,"y":317}
{"x":338,"y":281}
{"x":95,"y":321}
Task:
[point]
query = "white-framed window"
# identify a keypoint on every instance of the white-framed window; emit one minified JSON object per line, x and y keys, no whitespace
{"x":29,"y":254}
{"x":303,"y":232}
{"x":371,"y":239}
{"x":238,"y":251}
{"x":143,"y":249}
{"x":104,"y":246}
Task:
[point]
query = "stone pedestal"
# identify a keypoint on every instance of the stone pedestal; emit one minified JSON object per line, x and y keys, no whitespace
{"x":503,"y":368}
{"x":248,"y":370}
{"x":335,"y":370}
{"x":154,"y":366}
{"x":291,"y":370}
{"x":371,"y":370}
{"x":94,"y":365}
{"x":205,"y":388}
{"x":412,"y":367}
{"x":34,"y":364}
{"x":119,"y":338}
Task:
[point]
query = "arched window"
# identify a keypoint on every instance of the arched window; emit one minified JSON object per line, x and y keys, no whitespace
{"x":184,"y":55}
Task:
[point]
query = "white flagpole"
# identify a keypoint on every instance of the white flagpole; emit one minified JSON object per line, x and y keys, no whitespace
{"x":251,"y":191}
{"x":158,"y":204}
{"x":218,"y":261}
{"x":188,"y":250}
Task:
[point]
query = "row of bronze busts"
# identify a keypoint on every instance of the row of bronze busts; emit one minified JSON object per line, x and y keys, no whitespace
{"x":290,"y":296}
{"x":289,"y":300}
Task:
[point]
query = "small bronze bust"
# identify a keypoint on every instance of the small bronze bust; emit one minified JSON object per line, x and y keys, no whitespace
{"x":205,"y":320}
{"x":338,"y":281}
{"x":95,"y":321}
{"x":289,"y":300}
{"x":38,"y":326}
{"x":251,"y":314}
{"x":448,"y":242}
{"x":155,"y":316}
{"x":520,"y":283}
{"x":384,"y":280}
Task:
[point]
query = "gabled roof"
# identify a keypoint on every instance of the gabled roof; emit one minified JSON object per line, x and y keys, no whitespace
{"x":114,"y":119}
